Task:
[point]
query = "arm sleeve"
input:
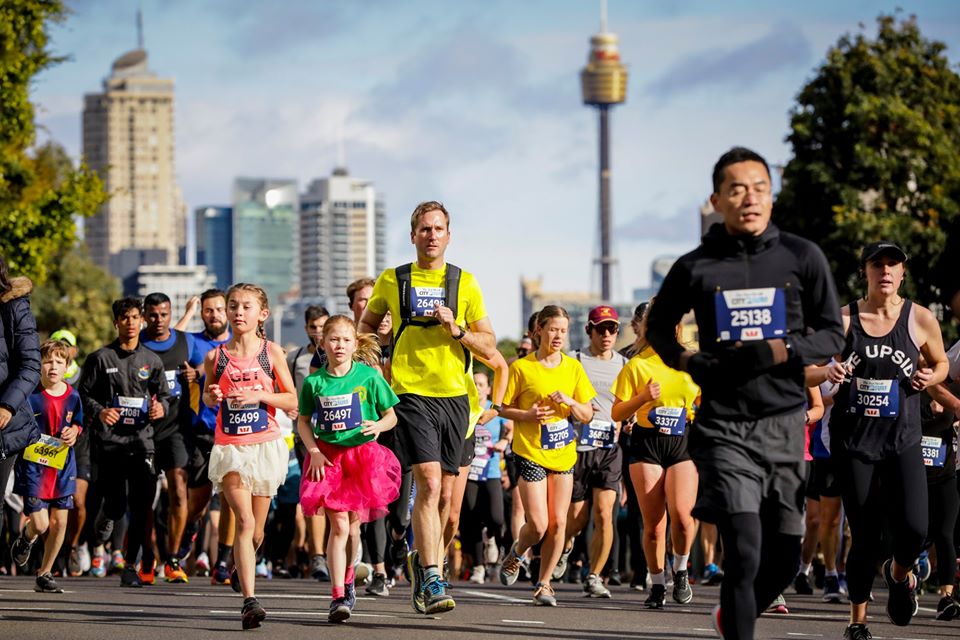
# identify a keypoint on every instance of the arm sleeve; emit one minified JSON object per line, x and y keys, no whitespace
{"x":475,"y":308}
{"x":673,"y":301}
{"x":821,"y":313}
{"x":306,"y":398}
{"x":90,"y":387}
{"x":195,"y":359}
{"x":78,"y":414}
{"x":26,"y":355}
{"x":383,"y":395}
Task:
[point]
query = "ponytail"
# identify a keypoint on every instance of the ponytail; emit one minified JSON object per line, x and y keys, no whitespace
{"x":368,"y":350}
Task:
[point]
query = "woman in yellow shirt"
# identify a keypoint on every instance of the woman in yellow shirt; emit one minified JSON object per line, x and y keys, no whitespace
{"x":544,"y":390}
{"x":664,"y":476}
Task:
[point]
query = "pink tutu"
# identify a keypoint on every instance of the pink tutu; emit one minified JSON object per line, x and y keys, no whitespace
{"x":363,"y":479}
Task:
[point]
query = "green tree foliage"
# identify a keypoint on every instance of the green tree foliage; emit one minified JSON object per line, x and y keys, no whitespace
{"x":77,"y":296}
{"x":876,"y":144}
{"x":40,"y":189}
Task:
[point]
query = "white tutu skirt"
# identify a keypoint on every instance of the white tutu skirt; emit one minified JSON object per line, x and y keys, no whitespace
{"x":262,"y":467}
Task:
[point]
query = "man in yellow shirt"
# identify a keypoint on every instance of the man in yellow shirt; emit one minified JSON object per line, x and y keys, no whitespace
{"x":434,"y":331}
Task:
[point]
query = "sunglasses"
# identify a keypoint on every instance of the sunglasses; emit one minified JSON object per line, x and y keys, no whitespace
{"x":607,"y":327}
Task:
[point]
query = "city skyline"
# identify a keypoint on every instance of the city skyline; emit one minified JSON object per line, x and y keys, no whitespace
{"x":477,"y":105}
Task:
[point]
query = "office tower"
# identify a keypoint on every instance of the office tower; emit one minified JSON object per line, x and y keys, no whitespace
{"x":214,"y":241}
{"x":265,"y":235}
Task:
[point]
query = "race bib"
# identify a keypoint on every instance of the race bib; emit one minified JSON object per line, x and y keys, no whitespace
{"x":556,"y":435}
{"x":750,"y":314}
{"x":50,"y":452}
{"x":173,"y":383}
{"x":243,"y":419}
{"x":599,"y":433}
{"x":934,"y":451}
{"x":133,"y":410}
{"x":482,"y":452}
{"x":875,"y":398}
{"x":338,"y":413}
{"x":670,"y":421}
{"x":423,"y":301}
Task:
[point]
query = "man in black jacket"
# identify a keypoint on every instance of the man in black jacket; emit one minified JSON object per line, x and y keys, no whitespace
{"x":766,"y":305}
{"x":125,"y":392}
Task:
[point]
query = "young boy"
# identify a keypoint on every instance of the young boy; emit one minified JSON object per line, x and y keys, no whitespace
{"x":46,"y":474}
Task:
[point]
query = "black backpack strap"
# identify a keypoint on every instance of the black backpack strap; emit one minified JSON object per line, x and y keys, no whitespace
{"x":403,"y":288}
{"x":451,"y":288}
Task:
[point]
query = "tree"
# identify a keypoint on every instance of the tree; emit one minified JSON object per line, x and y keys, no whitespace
{"x":876,"y":153}
{"x":40,"y":189}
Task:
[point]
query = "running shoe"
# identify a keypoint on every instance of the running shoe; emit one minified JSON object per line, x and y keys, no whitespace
{"x":561,"y":569}
{"x":478,"y":575}
{"x":202,"y":565}
{"x":84,"y":553}
{"x":801,"y":584}
{"x":46,"y":584}
{"x":842,"y":581}
{"x":544,"y":595}
{"x":220,"y":574}
{"x":435,"y":598}
{"x":657,"y":597}
{"x":902,"y":601}
{"x":350,"y":594}
{"x":117,"y":563}
{"x":491,"y":552}
{"x":235,"y":581}
{"x":593,"y":587}
{"x":716,"y":621}
{"x":20,"y":550}
{"x":73,"y":564}
{"x":948,"y":609}
{"x":398,"y":557}
{"x":252,"y":614}
{"x":148,"y":576}
{"x":318,"y":568}
{"x":857,"y":632}
{"x":186,"y":542}
{"x":339,"y":611}
{"x":263,"y":570}
{"x":638,"y":586}
{"x":831,"y":589}
{"x":716,"y":578}
{"x":98,"y":564}
{"x":378,"y":586}
{"x":510,"y":567}
{"x":174,"y":573}
{"x":778,"y":606}
{"x":415,"y":576}
{"x":682,"y":593}
{"x":614,"y":579}
{"x":921,"y":568}
{"x":130,"y":578}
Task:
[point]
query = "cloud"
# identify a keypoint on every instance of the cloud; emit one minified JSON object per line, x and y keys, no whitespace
{"x":682,"y":226}
{"x":785,"y":47}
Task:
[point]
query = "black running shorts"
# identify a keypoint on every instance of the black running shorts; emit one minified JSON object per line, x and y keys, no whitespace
{"x":431,"y":430}
{"x":596,"y":469}
{"x":652,"y":447}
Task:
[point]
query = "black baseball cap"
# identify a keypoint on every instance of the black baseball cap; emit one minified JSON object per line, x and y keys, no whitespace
{"x":876,"y":249}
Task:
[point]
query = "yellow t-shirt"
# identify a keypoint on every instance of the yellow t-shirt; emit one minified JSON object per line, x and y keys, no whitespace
{"x":426,"y":360}
{"x":677,"y":388}
{"x":530,"y":382}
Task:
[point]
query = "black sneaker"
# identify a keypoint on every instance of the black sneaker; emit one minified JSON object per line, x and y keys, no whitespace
{"x":129,"y":577}
{"x":339,"y":611}
{"x":902,"y":601}
{"x":682,"y":593}
{"x":831,"y":589}
{"x":252,"y":614}
{"x":657,"y":597}
{"x":20,"y":550}
{"x":801,"y":584}
{"x":857,"y":632}
{"x":398,"y":557}
{"x":614,"y":580}
{"x":46,"y":584}
{"x":948,"y":609}
{"x":235,"y":581}
{"x":378,"y":585}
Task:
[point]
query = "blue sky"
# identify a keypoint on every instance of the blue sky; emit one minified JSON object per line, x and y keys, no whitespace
{"x":476,"y":103}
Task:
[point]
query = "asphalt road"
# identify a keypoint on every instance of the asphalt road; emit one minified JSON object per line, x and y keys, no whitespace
{"x":100,"y":609}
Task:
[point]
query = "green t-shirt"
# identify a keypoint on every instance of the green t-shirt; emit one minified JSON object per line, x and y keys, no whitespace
{"x":339,"y":404}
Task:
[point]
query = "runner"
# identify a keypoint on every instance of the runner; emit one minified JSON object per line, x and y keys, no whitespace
{"x":46,"y":472}
{"x":599,"y":469}
{"x":350,"y":475}
{"x":545,"y":389}
{"x":663,"y":401}
{"x":435,"y":306}
{"x":248,"y":462}
{"x":756,"y":292}
{"x":125,"y":393}
{"x":876,"y":432}
{"x":173,"y":435}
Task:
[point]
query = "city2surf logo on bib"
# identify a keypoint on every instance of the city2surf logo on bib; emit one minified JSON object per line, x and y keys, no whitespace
{"x":424,"y":301}
{"x":339,"y":413}
{"x":750,"y":314}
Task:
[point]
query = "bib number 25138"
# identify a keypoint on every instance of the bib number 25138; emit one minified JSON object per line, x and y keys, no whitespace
{"x":750,"y":314}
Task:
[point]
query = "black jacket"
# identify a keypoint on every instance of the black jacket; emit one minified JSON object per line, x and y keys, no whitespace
{"x":19,"y":366}
{"x":111,"y":371}
{"x":722,"y":263}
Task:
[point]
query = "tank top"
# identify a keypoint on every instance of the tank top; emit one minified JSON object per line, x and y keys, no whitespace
{"x":876,"y":412}
{"x":237,"y":423}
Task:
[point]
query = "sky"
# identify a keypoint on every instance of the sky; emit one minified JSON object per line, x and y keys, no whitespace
{"x":475,"y":103}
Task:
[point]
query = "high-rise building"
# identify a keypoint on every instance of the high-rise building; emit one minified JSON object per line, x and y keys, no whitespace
{"x":264,"y":235}
{"x":180,"y":283}
{"x":342,"y":236}
{"x":128,"y":139}
{"x":214,"y":240}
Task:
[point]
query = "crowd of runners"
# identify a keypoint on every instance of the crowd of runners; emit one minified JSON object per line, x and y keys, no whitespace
{"x":801,"y":444}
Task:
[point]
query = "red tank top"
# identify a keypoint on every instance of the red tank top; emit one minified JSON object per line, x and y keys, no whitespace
{"x":238,"y":423}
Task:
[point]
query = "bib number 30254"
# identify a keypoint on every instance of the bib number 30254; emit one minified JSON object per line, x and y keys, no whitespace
{"x":750,"y":314}
{"x":556,"y":435}
{"x":875,"y":398}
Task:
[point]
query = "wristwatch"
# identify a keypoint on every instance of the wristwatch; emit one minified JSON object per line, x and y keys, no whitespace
{"x":463,"y":332}
{"x":496,"y":407}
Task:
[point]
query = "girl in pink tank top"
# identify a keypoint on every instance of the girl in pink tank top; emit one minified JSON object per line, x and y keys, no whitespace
{"x":248,"y":462}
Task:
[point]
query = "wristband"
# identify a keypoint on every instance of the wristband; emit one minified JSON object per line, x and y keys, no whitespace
{"x":496,"y":407}
{"x":463,"y":332}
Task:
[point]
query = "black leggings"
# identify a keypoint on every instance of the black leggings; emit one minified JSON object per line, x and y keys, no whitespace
{"x":374,"y":535}
{"x":129,"y":483}
{"x":482,"y":507}
{"x":399,"y":516}
{"x":759,"y":562}
{"x":896,"y":487}
{"x":944,"y":505}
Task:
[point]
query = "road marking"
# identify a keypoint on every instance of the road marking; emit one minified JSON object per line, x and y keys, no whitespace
{"x":26,"y":591}
{"x":810,"y":616}
{"x":308,"y":613}
{"x":495,"y":596}
{"x":805,"y":635}
{"x":523,"y":621}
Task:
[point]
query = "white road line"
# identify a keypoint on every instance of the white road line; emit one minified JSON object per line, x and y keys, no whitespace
{"x":26,"y":591}
{"x":523,"y":621}
{"x":809,"y":616}
{"x":494,"y":596}
{"x":805,"y":635}
{"x":308,"y":613}
{"x":64,"y":610}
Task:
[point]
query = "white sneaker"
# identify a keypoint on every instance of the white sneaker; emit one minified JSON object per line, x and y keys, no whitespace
{"x":491,"y":552}
{"x":478,"y":574}
{"x":85,"y":561}
{"x":73,"y":564}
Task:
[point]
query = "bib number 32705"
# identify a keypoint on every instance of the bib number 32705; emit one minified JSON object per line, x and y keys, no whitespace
{"x":750,"y":314}
{"x":556,"y":435}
